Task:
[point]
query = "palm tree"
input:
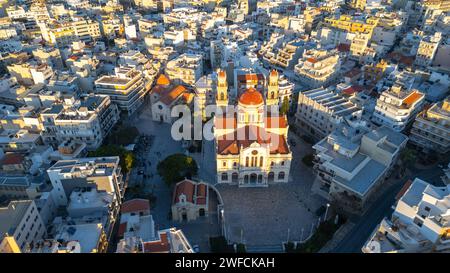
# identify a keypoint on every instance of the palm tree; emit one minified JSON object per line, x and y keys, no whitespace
{"x":408,"y":158}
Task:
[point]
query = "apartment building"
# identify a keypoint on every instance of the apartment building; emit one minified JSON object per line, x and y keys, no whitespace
{"x":419,"y":224}
{"x":318,"y":68}
{"x":21,"y":224}
{"x":431,"y":129}
{"x":102,"y":173}
{"x":126,"y":88}
{"x":186,"y":68}
{"x":87,"y":121}
{"x":428,"y":47}
{"x":352,"y":163}
{"x":397,"y":107}
{"x":320,"y":111}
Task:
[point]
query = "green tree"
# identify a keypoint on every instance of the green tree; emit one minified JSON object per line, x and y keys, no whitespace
{"x":284,"y":106}
{"x":408,"y":157}
{"x":176,"y":167}
{"x":127,"y":159}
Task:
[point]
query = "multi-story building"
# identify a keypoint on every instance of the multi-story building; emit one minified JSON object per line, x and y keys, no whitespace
{"x":186,"y":68}
{"x":351,"y":164}
{"x":102,"y":173}
{"x":251,"y":144}
{"x":86,"y":121}
{"x":320,"y":111}
{"x":126,"y":88}
{"x":428,"y":47}
{"x":21,"y":224}
{"x":318,"y":68}
{"x":419,"y":224}
{"x":397,"y":107}
{"x":431,"y":129}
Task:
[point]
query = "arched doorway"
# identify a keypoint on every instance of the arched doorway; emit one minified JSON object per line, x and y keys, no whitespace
{"x":271,"y":177}
{"x":235,"y":177}
{"x":201,"y":212}
{"x":253,"y":178}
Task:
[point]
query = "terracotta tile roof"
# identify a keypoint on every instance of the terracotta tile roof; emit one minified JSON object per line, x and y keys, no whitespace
{"x":403,"y":190}
{"x":352,"y":89}
{"x":225,"y":123}
{"x":412,"y":98}
{"x":312,"y":60}
{"x":135,"y":205}
{"x":163,"y":80}
{"x":230,"y":144}
{"x":12,"y":159}
{"x":250,"y":77}
{"x":251,"y":97}
{"x":201,"y":194}
{"x":160,"y":246}
{"x":169,"y":97}
{"x":185,"y":187}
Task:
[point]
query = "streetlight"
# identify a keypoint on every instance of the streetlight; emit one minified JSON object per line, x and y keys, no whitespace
{"x":326,"y":212}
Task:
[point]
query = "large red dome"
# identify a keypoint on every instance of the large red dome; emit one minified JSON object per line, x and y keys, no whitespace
{"x":251,"y":97}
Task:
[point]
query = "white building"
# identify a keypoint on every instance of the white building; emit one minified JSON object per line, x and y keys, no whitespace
{"x":21,"y":221}
{"x":419,"y":223}
{"x":397,"y":107}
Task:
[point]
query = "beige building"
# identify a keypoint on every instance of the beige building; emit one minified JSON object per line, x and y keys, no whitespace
{"x":186,"y":68}
{"x":320,"y":111}
{"x":318,"y":68}
{"x":126,"y":88}
{"x":190,"y":200}
{"x":431,"y":129}
{"x":251,"y":143}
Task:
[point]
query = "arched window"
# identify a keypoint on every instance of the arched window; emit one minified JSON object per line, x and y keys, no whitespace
{"x":222,"y":96}
{"x":261,"y":161}
{"x":246,"y":178}
{"x":224,"y":177}
{"x":260,"y":178}
{"x":281,"y":176}
{"x":246,"y":161}
{"x":253,"y":178}
{"x":272,"y":95}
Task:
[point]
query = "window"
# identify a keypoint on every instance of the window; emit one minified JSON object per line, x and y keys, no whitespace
{"x":281,"y":176}
{"x":224,"y":176}
{"x":246,"y":161}
{"x":261,"y":160}
{"x":224,"y":163}
{"x":418,"y":222}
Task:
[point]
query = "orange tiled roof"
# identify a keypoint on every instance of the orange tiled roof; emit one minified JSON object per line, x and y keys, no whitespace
{"x":12,"y":159}
{"x":162,"y":80}
{"x":412,"y":98}
{"x":245,"y":136}
{"x":173,"y":94}
{"x":160,"y":246}
{"x":135,"y":205}
{"x":185,"y":187}
{"x":251,"y":97}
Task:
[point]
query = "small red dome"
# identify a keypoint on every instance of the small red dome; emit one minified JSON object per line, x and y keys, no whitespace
{"x":251,"y":97}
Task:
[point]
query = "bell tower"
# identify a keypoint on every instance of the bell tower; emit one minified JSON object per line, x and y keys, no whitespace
{"x":272,"y":89}
{"x":222,"y":89}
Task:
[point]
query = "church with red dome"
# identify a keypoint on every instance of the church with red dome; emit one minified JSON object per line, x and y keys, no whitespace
{"x":251,"y":141}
